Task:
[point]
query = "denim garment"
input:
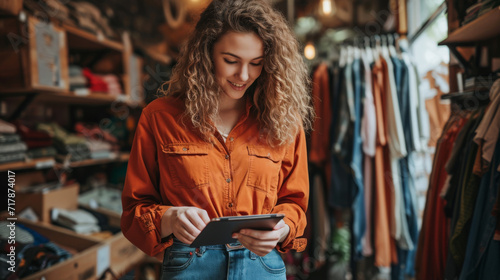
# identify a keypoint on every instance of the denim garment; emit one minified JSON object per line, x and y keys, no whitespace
{"x":483,"y":253}
{"x":342,"y":188}
{"x":358,"y":208}
{"x":219,"y":262}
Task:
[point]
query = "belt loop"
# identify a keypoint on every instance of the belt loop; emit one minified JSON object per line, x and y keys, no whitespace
{"x":253,"y":256}
{"x":234,"y":246}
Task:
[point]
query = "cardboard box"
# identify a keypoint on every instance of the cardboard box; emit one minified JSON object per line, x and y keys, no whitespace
{"x":42,"y":203}
{"x":123,"y":254}
{"x":81,"y":266}
{"x":115,"y":253}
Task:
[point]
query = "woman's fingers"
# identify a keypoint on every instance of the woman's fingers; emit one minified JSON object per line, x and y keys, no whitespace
{"x":258,"y":241}
{"x":189,"y":222}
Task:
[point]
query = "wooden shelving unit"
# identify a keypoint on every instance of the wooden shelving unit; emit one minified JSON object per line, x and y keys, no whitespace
{"x":40,"y":163}
{"x":122,"y":157}
{"x":49,"y":162}
{"x":83,"y":40}
{"x":473,"y":34}
{"x":483,"y":28}
{"x":72,"y":97}
{"x":24,"y":83}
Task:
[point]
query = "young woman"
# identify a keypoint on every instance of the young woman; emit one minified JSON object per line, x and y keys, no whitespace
{"x":227,"y":139}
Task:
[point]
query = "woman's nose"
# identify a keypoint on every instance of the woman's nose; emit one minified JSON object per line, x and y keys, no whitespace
{"x":243,"y":73}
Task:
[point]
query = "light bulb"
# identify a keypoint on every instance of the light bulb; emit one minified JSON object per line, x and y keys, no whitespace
{"x":327,"y":6}
{"x":310,"y":51}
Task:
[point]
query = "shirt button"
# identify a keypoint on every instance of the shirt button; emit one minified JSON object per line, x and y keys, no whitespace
{"x":227,"y":156}
{"x":228,"y":180}
{"x":230,"y":204}
{"x":231,"y":139}
{"x":184,"y":149}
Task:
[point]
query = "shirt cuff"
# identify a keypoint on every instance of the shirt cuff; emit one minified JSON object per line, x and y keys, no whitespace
{"x":291,"y":242}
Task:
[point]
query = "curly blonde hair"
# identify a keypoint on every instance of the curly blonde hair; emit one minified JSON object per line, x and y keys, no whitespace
{"x":280,"y":95}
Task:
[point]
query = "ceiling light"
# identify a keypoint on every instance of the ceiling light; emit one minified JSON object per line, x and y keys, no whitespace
{"x":328,"y":7}
{"x":310,"y":51}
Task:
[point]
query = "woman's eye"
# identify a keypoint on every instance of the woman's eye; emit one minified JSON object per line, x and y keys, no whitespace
{"x":256,"y":64}
{"x":229,"y":61}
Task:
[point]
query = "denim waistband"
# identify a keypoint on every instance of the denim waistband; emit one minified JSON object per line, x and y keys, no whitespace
{"x":228,"y":247}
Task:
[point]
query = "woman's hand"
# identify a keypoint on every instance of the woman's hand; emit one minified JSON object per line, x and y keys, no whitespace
{"x":184,"y":222}
{"x":261,"y":242}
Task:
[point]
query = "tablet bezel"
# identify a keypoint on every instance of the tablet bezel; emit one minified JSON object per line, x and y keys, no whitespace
{"x":219,"y":230}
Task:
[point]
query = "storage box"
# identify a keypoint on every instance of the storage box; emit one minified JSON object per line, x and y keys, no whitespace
{"x":115,"y":253}
{"x":123,"y":255}
{"x":42,"y":203}
{"x":82,"y":265}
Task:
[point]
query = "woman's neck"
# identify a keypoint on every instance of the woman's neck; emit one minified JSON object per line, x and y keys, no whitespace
{"x":228,"y":104}
{"x":230,"y":111}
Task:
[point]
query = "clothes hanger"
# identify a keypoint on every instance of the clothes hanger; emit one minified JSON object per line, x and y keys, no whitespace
{"x":368,"y":50}
{"x":342,"y":59}
{"x":383,"y":45}
{"x":357,"y":54}
{"x":350,"y":53}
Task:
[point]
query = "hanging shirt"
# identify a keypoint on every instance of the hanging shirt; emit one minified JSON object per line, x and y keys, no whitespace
{"x":369,"y":137}
{"x":385,"y":249}
{"x":320,"y":141}
{"x":171,"y":165}
{"x":487,"y":132}
{"x":413,"y":103}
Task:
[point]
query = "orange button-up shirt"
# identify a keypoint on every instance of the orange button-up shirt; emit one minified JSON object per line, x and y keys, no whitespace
{"x":171,"y":165}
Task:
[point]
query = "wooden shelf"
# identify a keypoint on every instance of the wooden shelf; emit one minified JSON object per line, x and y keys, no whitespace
{"x":40,"y":163}
{"x":71,"y":97}
{"x":49,"y":162}
{"x":482,"y":28}
{"x":122,"y":157}
{"x":83,"y":40}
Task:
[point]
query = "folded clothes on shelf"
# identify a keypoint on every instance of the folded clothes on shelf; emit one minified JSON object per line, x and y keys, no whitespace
{"x":76,"y":151}
{"x":66,"y":143}
{"x":95,"y":82}
{"x":6,"y":127}
{"x":57,"y":132}
{"x":12,"y":148}
{"x":6,"y":138}
{"x":12,"y":157}
{"x":103,"y":197}
{"x":32,"y":137}
{"x":78,"y":220}
{"x":42,"y":152}
{"x":98,"y":146}
{"x":93,"y":131}
{"x":89,"y":17}
{"x":113,"y":84}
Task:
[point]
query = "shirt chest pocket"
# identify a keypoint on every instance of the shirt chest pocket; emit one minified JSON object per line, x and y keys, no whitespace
{"x":187,"y":164}
{"x":264,"y":167}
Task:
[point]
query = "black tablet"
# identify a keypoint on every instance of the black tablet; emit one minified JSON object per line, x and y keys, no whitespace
{"x":219,"y":230}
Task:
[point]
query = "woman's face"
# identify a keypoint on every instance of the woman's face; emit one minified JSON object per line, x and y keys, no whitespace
{"x":238,"y":59}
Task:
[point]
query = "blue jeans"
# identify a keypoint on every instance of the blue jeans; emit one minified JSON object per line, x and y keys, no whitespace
{"x":220,"y":262}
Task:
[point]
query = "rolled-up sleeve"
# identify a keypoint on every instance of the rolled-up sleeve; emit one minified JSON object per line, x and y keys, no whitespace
{"x":293,"y":194}
{"x":141,"y":200}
